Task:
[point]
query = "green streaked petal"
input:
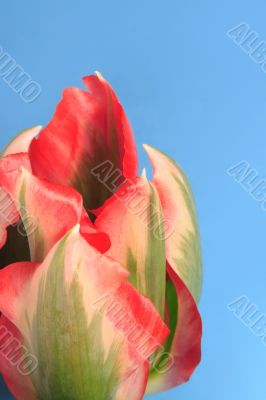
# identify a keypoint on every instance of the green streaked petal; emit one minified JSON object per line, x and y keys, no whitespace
{"x":72,"y":359}
{"x":83,"y":352}
{"x":183,"y":249}
{"x":133,"y":220}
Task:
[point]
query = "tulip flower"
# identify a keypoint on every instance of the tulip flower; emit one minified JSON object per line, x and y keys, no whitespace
{"x":100,"y":269}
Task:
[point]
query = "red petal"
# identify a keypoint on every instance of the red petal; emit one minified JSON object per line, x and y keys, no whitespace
{"x":87,"y":129}
{"x":19,"y":385}
{"x":13,"y":279}
{"x":95,"y":238}
{"x":187,"y":341}
{"x":142,"y":311}
{"x":186,"y":345}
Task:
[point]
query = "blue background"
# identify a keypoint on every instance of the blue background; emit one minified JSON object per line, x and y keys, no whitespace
{"x":191,"y":92}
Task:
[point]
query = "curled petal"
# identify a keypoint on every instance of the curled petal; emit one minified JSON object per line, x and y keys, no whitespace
{"x":87,"y":129}
{"x":183,"y":346}
{"x":99,"y":240}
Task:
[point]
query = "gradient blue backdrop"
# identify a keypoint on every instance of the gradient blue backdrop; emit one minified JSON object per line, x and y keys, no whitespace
{"x":191,"y":92}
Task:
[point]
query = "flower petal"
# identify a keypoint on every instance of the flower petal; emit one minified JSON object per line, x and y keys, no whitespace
{"x":85,"y":347}
{"x":47,"y":210}
{"x":11,"y":358}
{"x":184,"y":342}
{"x":87,"y":129}
{"x":99,"y":240}
{"x":135,"y":385}
{"x":182,"y":234}
{"x":133,"y":220}
{"x":10,"y":167}
{"x":21,"y":143}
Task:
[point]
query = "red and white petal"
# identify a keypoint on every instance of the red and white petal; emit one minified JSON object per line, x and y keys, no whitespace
{"x":10,"y":170}
{"x":183,"y":249}
{"x":47,"y":210}
{"x":87,"y":129}
{"x":133,"y":220}
{"x":12,"y":281}
{"x":21,"y":143}
{"x":134,"y":387}
{"x":85,"y":324}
